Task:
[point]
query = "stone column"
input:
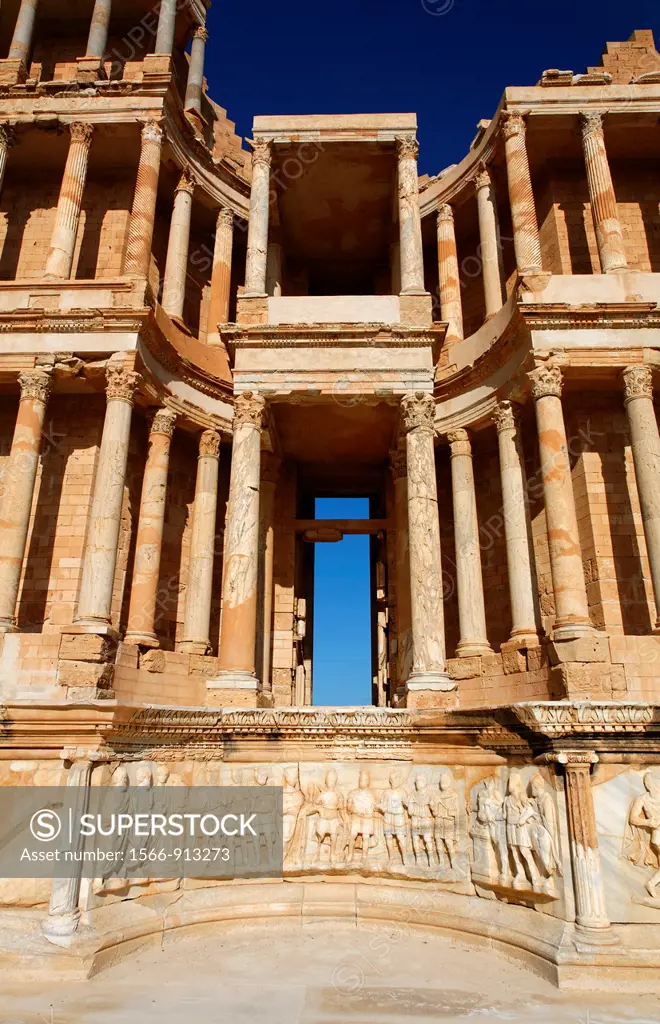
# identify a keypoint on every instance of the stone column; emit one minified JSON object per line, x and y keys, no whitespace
{"x":427,"y":613}
{"x":63,"y":239}
{"x":143,"y":211}
{"x":98,"y":29}
{"x":571,"y":606}
{"x":410,"y":220}
{"x":238,"y":627}
{"x":451,"y":307}
{"x":590,"y":911}
{"x":220,"y":275}
{"x":176,"y":263}
{"x":19,"y":481}
{"x":199,"y":591}
{"x":270,"y":468}
{"x":609,"y":235}
{"x":98,"y":575}
{"x":166,"y":24}
{"x":519,"y":550}
{"x":526,"y":240}
{"x":469,"y":582}
{"x":489,"y":243}
{"x":63,"y":912}
{"x":21,"y":42}
{"x":149,"y":540}
{"x":274,"y":269}
{"x":402,"y":569}
{"x":645,"y":444}
{"x":257,"y":241}
{"x":193,"y":98}
{"x":6,"y":141}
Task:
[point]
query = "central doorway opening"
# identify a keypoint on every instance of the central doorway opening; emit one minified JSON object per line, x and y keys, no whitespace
{"x":342,"y":610}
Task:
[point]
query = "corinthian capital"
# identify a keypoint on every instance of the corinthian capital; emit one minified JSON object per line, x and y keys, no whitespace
{"x":120,"y":383}
{"x":249,"y":408}
{"x":201,"y":32}
{"x":209,"y":443}
{"x":152,"y":132}
{"x":637,"y":383}
{"x":482,"y":178}
{"x":35,"y":385}
{"x":546,"y":380}
{"x":591,"y":123}
{"x":81,"y":132}
{"x":417,"y":411}
{"x":163,"y":422}
{"x":504,"y":416}
{"x":513,"y":124}
{"x":459,"y":442}
{"x":261,"y":151}
{"x":407,"y":146}
{"x":186,"y":182}
{"x":225,"y":218}
{"x":445,"y":214}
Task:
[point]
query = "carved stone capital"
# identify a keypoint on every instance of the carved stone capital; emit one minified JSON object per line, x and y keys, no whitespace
{"x":577,"y":759}
{"x":249,"y":408}
{"x":445,"y":213}
{"x":513,"y":124}
{"x":417,"y":411}
{"x":482,"y":178}
{"x":225,"y":218}
{"x":120,"y":383}
{"x":398,"y":463}
{"x":7,"y":136}
{"x":201,"y":32}
{"x":505,"y":416}
{"x":81,"y":132}
{"x":186,"y":182}
{"x":407,"y":146}
{"x":152,"y":132}
{"x":546,"y":380}
{"x":261,"y":152}
{"x":35,"y":385}
{"x":459,"y":442}
{"x":209,"y":443}
{"x":637,"y":383}
{"x":591,"y":124}
{"x":163,"y":422}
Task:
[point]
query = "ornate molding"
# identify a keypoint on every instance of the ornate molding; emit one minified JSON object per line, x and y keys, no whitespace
{"x":513,"y":123}
{"x":163,"y":422}
{"x":459,"y":442}
{"x":152,"y":132}
{"x":81,"y":132}
{"x":120,"y":384}
{"x":563,"y":718}
{"x":417,"y":411}
{"x":546,"y":380}
{"x":35,"y":385}
{"x":407,"y":146}
{"x":249,"y":407}
{"x":637,"y":383}
{"x":505,"y":416}
{"x":209,"y":444}
{"x":591,"y":124}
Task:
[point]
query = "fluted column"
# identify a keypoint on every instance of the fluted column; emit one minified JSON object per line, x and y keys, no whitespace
{"x":21,"y":42}
{"x":451,"y":307}
{"x":199,"y":590}
{"x":402,"y":568}
{"x":98,"y":29}
{"x":149,"y":540}
{"x":570,"y":593}
{"x":193,"y":98}
{"x":19,"y":480}
{"x":6,"y":141}
{"x":176,"y":263}
{"x":410,"y":220}
{"x":257,"y":242}
{"x":236,"y":659}
{"x":166,"y":24}
{"x":489,"y":243}
{"x":63,"y":239}
{"x":526,"y":241}
{"x":95,"y":601}
{"x":270,"y":468}
{"x":590,"y":910}
{"x":143,"y":210}
{"x":427,"y":612}
{"x":645,"y":444}
{"x":469,"y":582}
{"x":220,"y":275}
{"x":519,"y":551}
{"x":609,"y":235}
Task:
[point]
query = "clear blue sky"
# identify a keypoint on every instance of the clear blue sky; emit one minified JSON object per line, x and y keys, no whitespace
{"x":357,"y":56}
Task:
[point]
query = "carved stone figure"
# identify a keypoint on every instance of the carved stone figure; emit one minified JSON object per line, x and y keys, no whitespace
{"x":330,"y":821}
{"x":521,"y":816}
{"x":545,"y":833}
{"x":488,"y":832}
{"x":361,"y":805}
{"x":444,"y":806}
{"x":392,"y":806}
{"x":421,"y":821}
{"x":642,"y":838}
{"x":292,"y":827}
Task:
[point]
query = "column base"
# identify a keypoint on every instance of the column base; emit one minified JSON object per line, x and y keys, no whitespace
{"x":438,"y":681}
{"x":574,"y":630}
{"x":12,"y":71}
{"x":429,"y":690}
{"x":143,"y":639}
{"x":233,"y":689}
{"x":473,"y":648}
{"x":522,"y":638}
{"x":587,"y":939}
{"x":59,"y":928}
{"x":229,"y":679}
{"x":89,"y":70}
{"x":200,"y":647}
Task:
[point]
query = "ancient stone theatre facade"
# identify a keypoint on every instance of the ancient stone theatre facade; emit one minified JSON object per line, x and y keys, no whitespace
{"x":198,"y":339}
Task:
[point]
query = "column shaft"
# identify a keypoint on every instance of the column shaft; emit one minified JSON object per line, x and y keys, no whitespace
{"x":21,"y":42}
{"x":469,"y":582}
{"x":609,"y":235}
{"x":95,"y":601}
{"x":410,"y":221}
{"x":199,"y":591}
{"x":63,"y":239}
{"x":239,"y":585}
{"x":220,"y":275}
{"x":269,"y":474}
{"x":63,"y":912}
{"x":526,"y":241}
{"x":489,"y":244}
{"x":98,"y":29}
{"x":257,"y":242}
{"x":274,"y":269}
{"x":519,"y":551}
{"x":427,"y":613}
{"x":451,"y":307}
{"x":195,"y":82}
{"x":570,"y":593}
{"x":6,"y":140}
{"x":143,"y":211}
{"x":166,"y":24}
{"x":645,"y":444}
{"x":402,"y":568}
{"x":149,"y":540}
{"x":19,"y":483}
{"x":176,"y":263}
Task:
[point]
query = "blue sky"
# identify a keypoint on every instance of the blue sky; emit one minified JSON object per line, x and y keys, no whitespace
{"x":357,"y":56}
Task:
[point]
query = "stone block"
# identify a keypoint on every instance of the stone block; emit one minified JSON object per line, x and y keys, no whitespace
{"x":416,"y":310}
{"x":537,"y":657}
{"x":464,"y":668}
{"x":591,"y":648}
{"x":203,"y":665}
{"x":85,"y":674}
{"x":153,"y":661}
{"x":417,"y":700}
{"x":513,"y":661}
{"x":86,"y":647}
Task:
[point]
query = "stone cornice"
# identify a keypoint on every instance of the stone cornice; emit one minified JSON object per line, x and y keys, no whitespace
{"x":330,"y":335}
{"x":550,"y":316}
{"x":66,"y":321}
{"x":591,"y":718}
